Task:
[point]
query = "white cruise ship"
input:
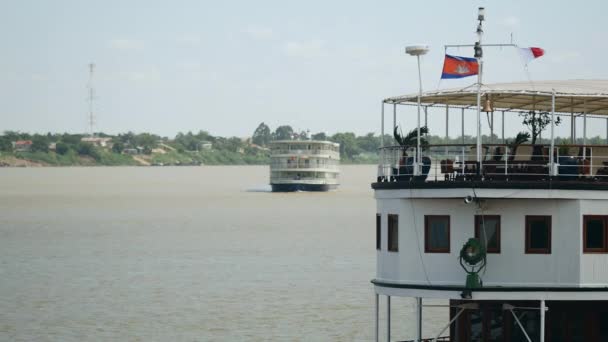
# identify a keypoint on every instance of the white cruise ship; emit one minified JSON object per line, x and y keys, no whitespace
{"x":304,"y":165}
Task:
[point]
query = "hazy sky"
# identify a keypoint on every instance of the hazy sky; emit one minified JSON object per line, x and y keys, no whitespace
{"x":225,"y":66}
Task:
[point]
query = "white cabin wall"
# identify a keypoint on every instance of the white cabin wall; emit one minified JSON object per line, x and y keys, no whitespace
{"x":594,"y":267}
{"x":512,"y":267}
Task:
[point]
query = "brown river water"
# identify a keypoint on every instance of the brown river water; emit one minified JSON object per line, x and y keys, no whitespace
{"x":189,"y":254}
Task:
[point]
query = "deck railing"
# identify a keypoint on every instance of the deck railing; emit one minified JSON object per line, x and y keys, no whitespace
{"x":499,"y":162}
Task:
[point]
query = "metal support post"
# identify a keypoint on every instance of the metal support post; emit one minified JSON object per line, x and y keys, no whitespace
{"x":572,"y":122}
{"x":584,"y":135}
{"x":503,"y":126}
{"x":377,"y":327}
{"x":388,"y":318}
{"x":492,"y":127}
{"x":542,"y":320}
{"x":418,"y":152}
{"x":382,"y":126}
{"x":462,"y":132}
{"x":552,"y":168}
{"x":447,"y":128}
{"x":418,"y":319}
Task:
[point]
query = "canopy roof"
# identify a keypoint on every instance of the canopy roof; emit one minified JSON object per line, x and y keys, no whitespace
{"x":571,"y":96}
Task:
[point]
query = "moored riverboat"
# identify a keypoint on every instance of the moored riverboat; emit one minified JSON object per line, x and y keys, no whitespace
{"x":304,"y":165}
{"x":513,"y":235}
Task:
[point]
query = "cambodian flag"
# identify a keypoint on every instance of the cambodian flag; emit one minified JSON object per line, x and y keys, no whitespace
{"x":458,"y":67}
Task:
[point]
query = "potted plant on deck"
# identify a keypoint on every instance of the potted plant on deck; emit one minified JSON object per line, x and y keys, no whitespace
{"x":537,"y":122}
{"x":406,"y":163}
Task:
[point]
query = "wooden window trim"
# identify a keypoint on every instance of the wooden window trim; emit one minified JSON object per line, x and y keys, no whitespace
{"x":529,"y":250}
{"x":378,"y":232}
{"x":478,"y":231}
{"x":388,"y":233}
{"x":603,"y":250}
{"x":427,"y":248}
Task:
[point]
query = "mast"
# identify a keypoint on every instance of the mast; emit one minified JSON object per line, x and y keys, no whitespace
{"x":479,"y":57}
{"x":91,"y":99}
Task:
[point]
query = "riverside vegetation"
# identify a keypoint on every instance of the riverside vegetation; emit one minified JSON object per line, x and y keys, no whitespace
{"x":200,"y":148}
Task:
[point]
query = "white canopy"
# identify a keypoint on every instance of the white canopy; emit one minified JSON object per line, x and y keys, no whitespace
{"x":571,"y":96}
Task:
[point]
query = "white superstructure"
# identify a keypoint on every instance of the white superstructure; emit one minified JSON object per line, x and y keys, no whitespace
{"x":540,"y":211}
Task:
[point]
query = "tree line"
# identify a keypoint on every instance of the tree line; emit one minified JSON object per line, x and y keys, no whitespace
{"x":203,"y":147}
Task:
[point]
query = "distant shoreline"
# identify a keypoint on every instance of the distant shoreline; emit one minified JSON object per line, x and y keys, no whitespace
{"x":16,"y":160}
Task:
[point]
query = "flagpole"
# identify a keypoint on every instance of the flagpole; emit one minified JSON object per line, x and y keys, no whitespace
{"x":479,"y":57}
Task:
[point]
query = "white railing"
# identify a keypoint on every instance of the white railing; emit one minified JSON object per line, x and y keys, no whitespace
{"x":499,"y":162}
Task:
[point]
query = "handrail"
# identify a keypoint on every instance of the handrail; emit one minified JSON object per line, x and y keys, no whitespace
{"x":499,"y":162}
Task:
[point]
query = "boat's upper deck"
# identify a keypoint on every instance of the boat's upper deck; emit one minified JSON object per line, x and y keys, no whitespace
{"x":536,"y":158}
{"x":317,"y":148}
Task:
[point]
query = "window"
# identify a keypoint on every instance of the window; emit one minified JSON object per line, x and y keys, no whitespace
{"x":436,"y":234}
{"x":378,"y":230}
{"x":393,"y":233}
{"x":492,"y":231}
{"x":595,"y":237}
{"x":538,"y":234}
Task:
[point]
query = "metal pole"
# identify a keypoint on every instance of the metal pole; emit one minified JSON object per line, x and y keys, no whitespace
{"x":388,"y":318}
{"x":449,"y":324}
{"x":584,"y":126}
{"x":492,"y":127}
{"x":382,"y":126}
{"x":479,"y":80}
{"x":447,"y":128}
{"x":572,"y":122}
{"x":462,"y":124}
{"x":377,"y":317}
{"x":542,"y":320}
{"x":462,"y":131}
{"x":551,"y":157}
{"x":521,"y":326}
{"x":503,"y":126}
{"x":418,"y":319}
{"x":606,"y":131}
{"x":418,"y":156}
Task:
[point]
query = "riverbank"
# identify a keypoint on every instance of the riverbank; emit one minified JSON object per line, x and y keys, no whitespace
{"x":165,"y":158}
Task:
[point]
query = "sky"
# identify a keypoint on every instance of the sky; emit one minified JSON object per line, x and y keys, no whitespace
{"x":225,"y":66}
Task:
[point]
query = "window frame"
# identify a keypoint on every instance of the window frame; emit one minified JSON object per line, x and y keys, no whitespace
{"x":603,"y":250}
{"x":378,"y":232}
{"x":478,"y":232}
{"x":389,"y":235}
{"x":427,"y":248}
{"x":529,"y":219}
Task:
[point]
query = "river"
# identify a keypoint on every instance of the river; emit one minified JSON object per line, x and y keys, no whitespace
{"x":188,"y":254}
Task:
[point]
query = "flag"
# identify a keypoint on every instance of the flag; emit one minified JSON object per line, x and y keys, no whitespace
{"x":458,"y":67}
{"x":531,"y":53}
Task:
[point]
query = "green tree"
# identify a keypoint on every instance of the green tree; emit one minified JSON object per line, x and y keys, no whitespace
{"x":5,"y":144}
{"x":118,"y":147}
{"x":86,"y":149}
{"x":368,"y":143}
{"x":348,"y":144}
{"x":319,"y":136}
{"x":62,"y":148}
{"x":283,"y":133}
{"x":261,"y":135}
{"x":40,"y":143}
